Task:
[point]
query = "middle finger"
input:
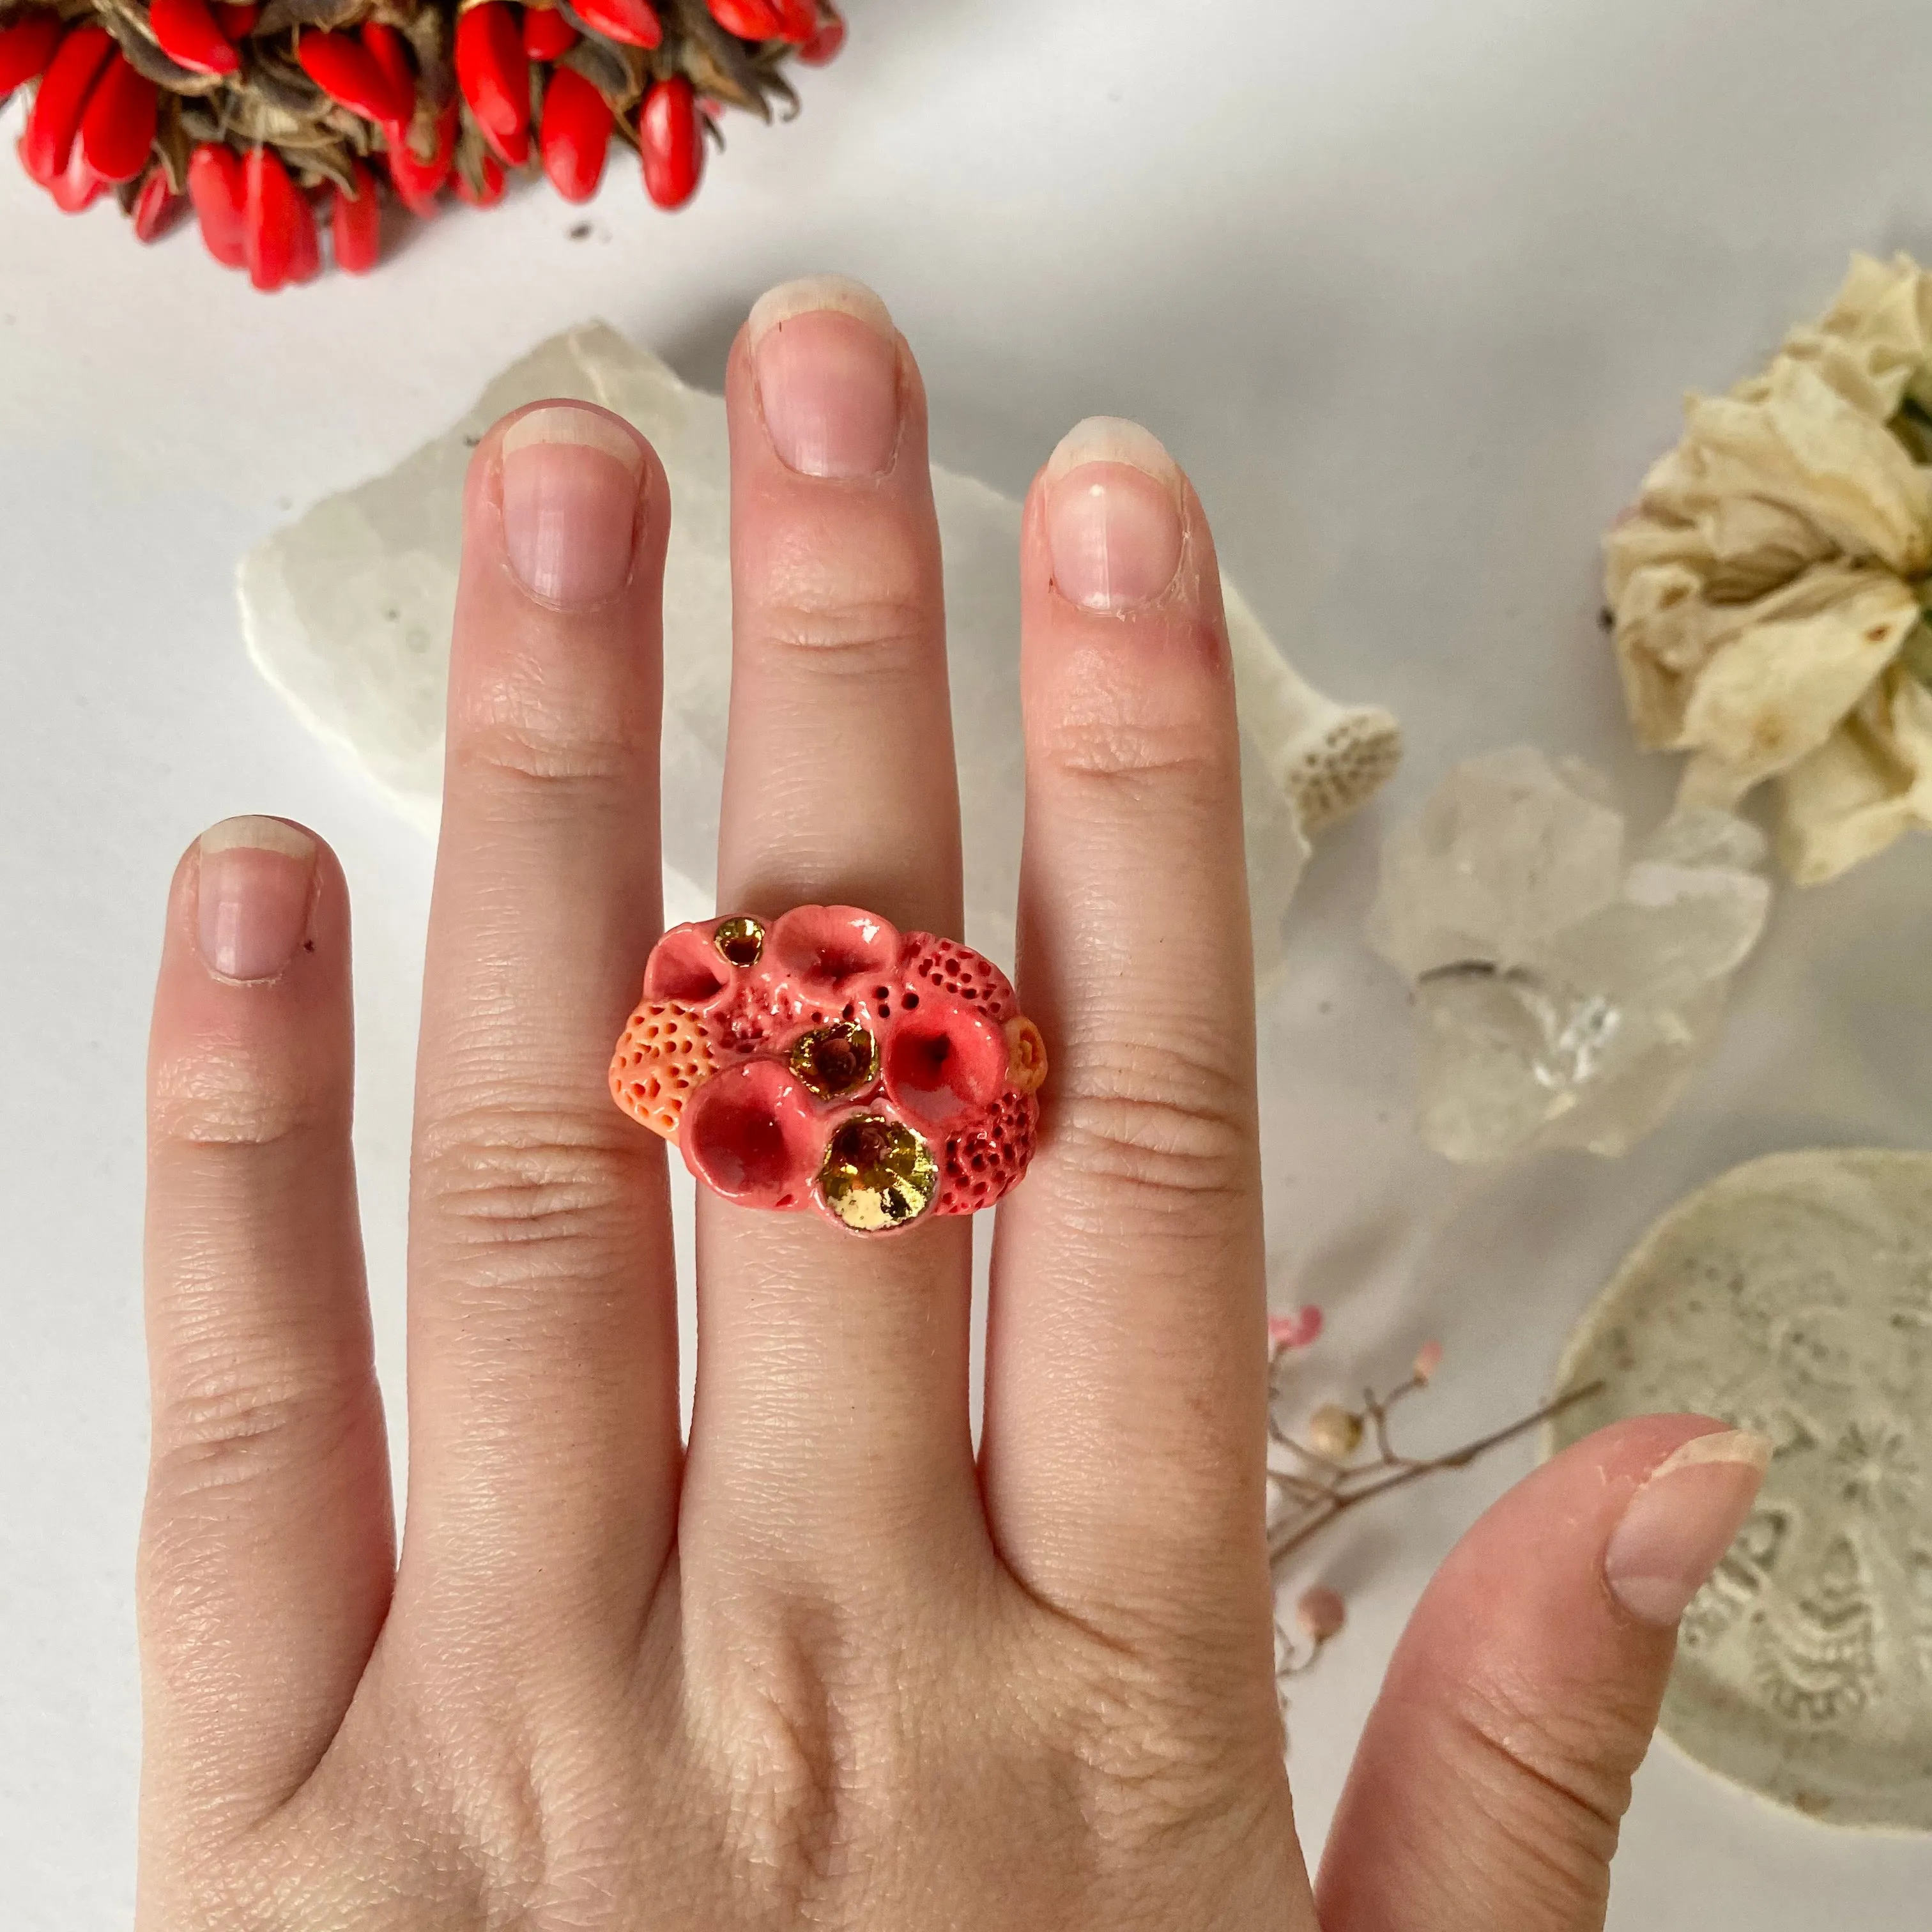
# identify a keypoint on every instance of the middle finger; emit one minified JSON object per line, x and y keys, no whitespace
{"x":831,"y":1383}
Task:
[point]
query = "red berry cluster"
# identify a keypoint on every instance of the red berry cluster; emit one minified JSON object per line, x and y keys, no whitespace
{"x":277,"y":121}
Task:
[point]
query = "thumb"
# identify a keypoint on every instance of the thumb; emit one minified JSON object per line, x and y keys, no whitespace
{"x":1496,"y":1764}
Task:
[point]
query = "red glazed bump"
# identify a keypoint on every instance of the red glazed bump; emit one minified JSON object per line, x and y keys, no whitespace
{"x":748,"y":1132}
{"x":825,"y":1060}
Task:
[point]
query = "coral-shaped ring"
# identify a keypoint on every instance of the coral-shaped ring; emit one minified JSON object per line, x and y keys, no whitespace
{"x":829,"y":1060}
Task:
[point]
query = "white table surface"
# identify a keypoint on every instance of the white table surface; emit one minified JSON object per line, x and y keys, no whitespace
{"x":1411,"y":288}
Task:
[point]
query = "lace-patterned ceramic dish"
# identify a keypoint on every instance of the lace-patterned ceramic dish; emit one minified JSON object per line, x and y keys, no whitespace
{"x":1794,"y":1296}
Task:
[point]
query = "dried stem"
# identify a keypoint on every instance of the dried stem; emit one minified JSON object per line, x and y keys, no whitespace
{"x":1342,"y":1488}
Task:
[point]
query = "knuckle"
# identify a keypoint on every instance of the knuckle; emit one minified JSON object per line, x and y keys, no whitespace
{"x":218,"y":1426}
{"x":1559,"y":1768}
{"x":810,"y":605}
{"x":1156,"y":1127}
{"x":850,"y":639}
{"x":528,"y":731}
{"x":505,"y":1176}
{"x":546,"y":753}
{"x":230,"y":1093}
{"x":1112,"y":751}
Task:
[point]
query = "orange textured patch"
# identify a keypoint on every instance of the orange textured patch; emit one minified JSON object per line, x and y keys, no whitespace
{"x":663,"y":1059}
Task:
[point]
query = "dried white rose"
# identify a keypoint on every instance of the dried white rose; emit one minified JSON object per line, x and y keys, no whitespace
{"x":1870,"y":781}
{"x":1769,"y":578}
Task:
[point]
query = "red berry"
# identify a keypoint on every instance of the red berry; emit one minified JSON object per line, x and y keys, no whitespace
{"x":798,"y":19}
{"x":48,"y":144}
{"x":548,"y":35}
{"x":237,"y":22}
{"x":494,"y":73}
{"x":633,"y":21}
{"x":26,"y":47}
{"x":117,"y":127}
{"x":188,"y":34}
{"x":672,"y":138}
{"x":827,"y":38}
{"x":79,"y":187}
{"x":356,"y":224}
{"x":156,"y":207}
{"x":749,"y":20}
{"x":217,"y":187}
{"x":278,"y":229}
{"x":417,"y":181}
{"x":349,"y":72}
{"x":485,"y":192}
{"x":387,"y":50}
{"x":576,"y":136}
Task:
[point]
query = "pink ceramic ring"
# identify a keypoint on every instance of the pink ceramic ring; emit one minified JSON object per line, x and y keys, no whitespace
{"x":828,"y":1060}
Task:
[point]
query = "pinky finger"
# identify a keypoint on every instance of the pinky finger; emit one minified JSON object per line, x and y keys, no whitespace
{"x":266,"y":1545}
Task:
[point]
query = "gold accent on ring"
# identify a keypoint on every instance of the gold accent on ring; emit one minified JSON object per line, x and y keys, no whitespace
{"x":877,"y":1173}
{"x":837,"y":1059}
{"x":739,"y":941}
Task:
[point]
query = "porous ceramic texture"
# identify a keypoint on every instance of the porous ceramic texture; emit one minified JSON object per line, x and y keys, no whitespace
{"x":347,"y":614}
{"x":826,"y":1060}
{"x":1567,"y":984}
{"x":1794,"y":1296}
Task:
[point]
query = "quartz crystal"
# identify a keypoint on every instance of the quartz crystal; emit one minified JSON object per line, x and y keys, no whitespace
{"x":347,"y":613}
{"x":1566,"y":986}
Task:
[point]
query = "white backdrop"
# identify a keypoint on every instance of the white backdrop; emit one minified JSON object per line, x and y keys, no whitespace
{"x":1411,"y":289}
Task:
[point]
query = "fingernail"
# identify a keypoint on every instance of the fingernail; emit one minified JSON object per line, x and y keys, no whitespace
{"x":257,"y":876}
{"x":1681,"y":1522}
{"x":1113,"y":515}
{"x":570,"y":503}
{"x":827,"y":359}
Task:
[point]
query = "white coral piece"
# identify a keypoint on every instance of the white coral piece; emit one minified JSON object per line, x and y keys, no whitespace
{"x":1328,"y":758}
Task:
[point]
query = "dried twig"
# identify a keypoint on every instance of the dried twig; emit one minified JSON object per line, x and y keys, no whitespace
{"x":1312,"y":1482}
{"x":1358,"y":1483}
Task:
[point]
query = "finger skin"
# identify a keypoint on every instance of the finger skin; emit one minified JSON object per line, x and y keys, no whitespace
{"x":1496,"y":1765}
{"x":832,"y":1370}
{"x":544,"y":1424}
{"x":266,"y":1544}
{"x":1126,"y":1362}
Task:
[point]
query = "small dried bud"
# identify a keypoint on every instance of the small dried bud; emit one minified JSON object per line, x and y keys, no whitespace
{"x":1334,"y":1432}
{"x":1428,"y":1359}
{"x":1321,"y":1613}
{"x":1294,"y":1331}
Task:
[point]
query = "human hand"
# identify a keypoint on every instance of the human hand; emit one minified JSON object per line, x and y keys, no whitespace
{"x":822,"y":1668}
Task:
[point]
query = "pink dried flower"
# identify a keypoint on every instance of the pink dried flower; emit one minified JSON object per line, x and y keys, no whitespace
{"x":1321,"y":1613}
{"x":1294,"y":1331}
{"x":1428,"y":1359}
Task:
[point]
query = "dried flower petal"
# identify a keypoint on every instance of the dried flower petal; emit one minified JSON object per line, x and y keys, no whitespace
{"x":1296,"y":1330}
{"x":1428,"y":1359}
{"x":1766,"y":579}
{"x":1866,"y":784}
